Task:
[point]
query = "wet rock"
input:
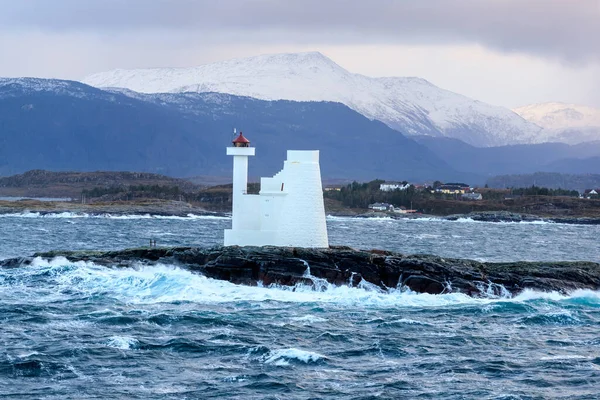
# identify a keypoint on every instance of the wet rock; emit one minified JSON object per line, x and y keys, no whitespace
{"x":506,"y":216}
{"x":346,"y":266}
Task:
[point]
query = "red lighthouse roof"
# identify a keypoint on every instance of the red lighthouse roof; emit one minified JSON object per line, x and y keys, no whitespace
{"x":240,"y":139}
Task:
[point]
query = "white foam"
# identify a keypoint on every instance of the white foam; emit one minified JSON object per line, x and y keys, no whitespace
{"x":534,"y":222}
{"x":163,"y":284}
{"x":559,"y":357}
{"x":72,"y":215}
{"x":29,"y":214}
{"x":581,"y":294}
{"x":463,"y":220}
{"x":359,"y":218}
{"x":282,"y":357}
{"x":26,"y":214}
{"x":122,"y":342}
{"x":308,"y":319}
{"x":188,"y":217}
{"x":406,"y":321}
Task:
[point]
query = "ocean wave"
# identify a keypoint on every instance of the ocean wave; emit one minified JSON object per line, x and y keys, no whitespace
{"x":73,"y":215}
{"x":283,"y":357}
{"x":122,"y":342}
{"x":405,"y":321}
{"x":581,"y":297}
{"x":471,"y":220}
{"x":359,"y":218}
{"x":308,"y":319}
{"x":59,"y":279}
{"x":463,"y":220}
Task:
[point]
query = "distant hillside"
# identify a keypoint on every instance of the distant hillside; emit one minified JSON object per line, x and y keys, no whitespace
{"x":518,"y":159}
{"x":39,"y":183}
{"x":65,"y":126}
{"x":575,"y":165}
{"x":548,"y":180}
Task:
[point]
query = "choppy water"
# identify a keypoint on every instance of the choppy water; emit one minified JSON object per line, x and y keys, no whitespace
{"x":78,"y":330}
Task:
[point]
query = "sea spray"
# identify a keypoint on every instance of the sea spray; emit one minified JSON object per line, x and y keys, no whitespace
{"x":167,"y":283}
{"x":74,"y":215}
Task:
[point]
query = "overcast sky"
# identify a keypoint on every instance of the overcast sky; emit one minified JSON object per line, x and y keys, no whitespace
{"x":505,"y":52}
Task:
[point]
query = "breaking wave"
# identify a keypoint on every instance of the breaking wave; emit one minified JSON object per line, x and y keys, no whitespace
{"x":284,"y":357}
{"x":72,"y":215}
{"x":58,"y":279}
{"x":419,"y":219}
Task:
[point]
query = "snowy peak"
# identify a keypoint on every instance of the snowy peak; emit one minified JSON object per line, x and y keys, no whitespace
{"x":566,"y":123}
{"x":37,"y":85}
{"x":268,"y":77}
{"x":560,"y":115}
{"x":12,"y":87}
{"x":413,"y":106}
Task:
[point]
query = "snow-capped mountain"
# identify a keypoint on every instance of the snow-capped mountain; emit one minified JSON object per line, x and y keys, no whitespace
{"x":413,"y":106}
{"x":568,"y":123}
{"x":10,"y":87}
{"x":65,"y":125}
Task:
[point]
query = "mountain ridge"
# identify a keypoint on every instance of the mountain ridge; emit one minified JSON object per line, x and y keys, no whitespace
{"x":63,"y":125}
{"x":411,"y":105}
{"x":516,"y":159}
{"x":564,"y":122}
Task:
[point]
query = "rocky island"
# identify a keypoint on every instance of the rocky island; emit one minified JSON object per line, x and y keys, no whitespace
{"x":377,"y":269}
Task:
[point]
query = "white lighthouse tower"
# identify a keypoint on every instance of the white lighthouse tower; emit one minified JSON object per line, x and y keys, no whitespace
{"x":240,"y":151}
{"x":289,"y":209}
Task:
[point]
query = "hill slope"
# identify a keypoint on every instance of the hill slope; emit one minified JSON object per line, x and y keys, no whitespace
{"x":517,"y":159}
{"x":40,"y":183}
{"x":413,"y":106}
{"x":62,"y":125}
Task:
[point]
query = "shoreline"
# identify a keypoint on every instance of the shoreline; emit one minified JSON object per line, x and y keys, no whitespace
{"x":171,"y":208}
{"x":384,"y":271}
{"x":164,"y":208}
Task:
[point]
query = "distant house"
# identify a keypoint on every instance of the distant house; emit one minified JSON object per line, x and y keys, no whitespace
{"x":471,"y":196}
{"x":453,"y":188}
{"x":381,"y":207}
{"x":389,"y":186}
{"x":332,"y":188}
{"x":591,"y":193}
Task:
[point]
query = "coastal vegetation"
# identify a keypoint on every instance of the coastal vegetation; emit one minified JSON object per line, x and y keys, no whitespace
{"x":127,"y":190}
{"x":530,"y":200}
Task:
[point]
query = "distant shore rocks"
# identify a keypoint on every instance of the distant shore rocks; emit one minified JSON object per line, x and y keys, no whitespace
{"x":183,"y":209}
{"x":377,"y":269}
{"x":506,"y":216}
{"x":495,"y":216}
{"x":149,"y":207}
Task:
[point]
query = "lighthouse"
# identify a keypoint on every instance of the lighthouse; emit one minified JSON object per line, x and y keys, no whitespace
{"x":289,"y":209}
{"x":240,"y":151}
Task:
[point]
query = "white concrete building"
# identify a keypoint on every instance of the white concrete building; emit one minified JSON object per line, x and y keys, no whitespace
{"x":389,"y":186}
{"x":381,"y":207}
{"x":289,"y":209}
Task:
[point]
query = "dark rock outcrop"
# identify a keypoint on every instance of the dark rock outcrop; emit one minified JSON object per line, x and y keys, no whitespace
{"x":507,"y":216}
{"x":346,"y":266}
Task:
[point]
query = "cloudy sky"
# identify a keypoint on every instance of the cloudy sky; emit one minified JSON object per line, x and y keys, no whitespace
{"x":505,"y":52}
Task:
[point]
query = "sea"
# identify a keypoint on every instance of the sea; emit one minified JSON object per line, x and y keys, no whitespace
{"x":84,"y":331}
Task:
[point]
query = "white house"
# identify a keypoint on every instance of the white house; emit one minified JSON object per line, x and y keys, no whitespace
{"x":289,"y":209}
{"x":381,"y":207}
{"x":389,"y":186}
